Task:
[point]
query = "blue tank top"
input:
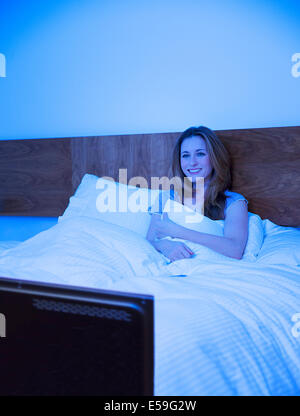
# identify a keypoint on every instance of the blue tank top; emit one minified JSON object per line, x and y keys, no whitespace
{"x":233,"y":197}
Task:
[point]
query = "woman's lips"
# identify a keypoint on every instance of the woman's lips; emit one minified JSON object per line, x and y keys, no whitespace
{"x":194,"y":171}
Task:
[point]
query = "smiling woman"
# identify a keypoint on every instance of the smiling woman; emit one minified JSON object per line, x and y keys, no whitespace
{"x":199,"y":153}
{"x":200,"y":147}
{"x":195,"y":159}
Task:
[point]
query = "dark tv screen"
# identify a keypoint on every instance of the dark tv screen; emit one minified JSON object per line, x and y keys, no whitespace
{"x":65,"y":340}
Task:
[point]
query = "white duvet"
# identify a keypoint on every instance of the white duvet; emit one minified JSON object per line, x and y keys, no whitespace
{"x":224,"y":329}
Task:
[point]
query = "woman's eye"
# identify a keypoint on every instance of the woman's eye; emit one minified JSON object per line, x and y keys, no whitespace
{"x":197,"y":154}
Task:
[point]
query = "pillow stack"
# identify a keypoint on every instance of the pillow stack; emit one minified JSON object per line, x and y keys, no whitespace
{"x":113,"y":202}
{"x":128,"y":206}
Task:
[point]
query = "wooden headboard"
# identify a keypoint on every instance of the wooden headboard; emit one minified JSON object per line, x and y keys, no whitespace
{"x":38,"y":176}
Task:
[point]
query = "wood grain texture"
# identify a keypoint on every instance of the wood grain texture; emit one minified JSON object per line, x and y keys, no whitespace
{"x":144,"y":155}
{"x":35,"y":176}
{"x":266,"y":170}
{"x":38,"y":176}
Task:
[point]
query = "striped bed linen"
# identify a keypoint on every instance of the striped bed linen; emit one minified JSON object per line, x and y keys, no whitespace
{"x":224,"y":329}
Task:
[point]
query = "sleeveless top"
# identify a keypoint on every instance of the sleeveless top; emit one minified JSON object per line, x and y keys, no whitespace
{"x":233,"y":197}
{"x":157,"y":207}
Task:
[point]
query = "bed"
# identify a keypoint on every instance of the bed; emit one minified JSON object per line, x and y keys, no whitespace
{"x":222,"y":326}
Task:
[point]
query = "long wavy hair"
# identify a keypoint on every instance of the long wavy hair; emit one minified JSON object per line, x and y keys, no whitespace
{"x":215,"y":198}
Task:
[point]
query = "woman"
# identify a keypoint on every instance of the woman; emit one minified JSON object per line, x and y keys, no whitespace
{"x":199,"y":153}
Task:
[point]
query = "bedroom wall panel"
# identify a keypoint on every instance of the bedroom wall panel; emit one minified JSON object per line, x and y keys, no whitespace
{"x":35,"y":176}
{"x":38,"y":176}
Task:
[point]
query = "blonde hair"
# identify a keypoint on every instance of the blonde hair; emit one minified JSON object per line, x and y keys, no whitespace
{"x":215,"y":197}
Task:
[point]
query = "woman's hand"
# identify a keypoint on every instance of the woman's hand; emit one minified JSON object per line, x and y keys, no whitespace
{"x":174,"y":250}
{"x":164,"y":227}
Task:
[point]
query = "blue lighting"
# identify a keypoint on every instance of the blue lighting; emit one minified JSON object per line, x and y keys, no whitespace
{"x":77,"y":68}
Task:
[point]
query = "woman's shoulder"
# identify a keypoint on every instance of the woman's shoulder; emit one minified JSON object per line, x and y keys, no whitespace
{"x":232,"y":197}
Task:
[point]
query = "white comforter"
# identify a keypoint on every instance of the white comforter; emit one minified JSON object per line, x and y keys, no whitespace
{"x":225,"y":329}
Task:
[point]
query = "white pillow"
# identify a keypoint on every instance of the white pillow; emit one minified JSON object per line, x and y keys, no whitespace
{"x":193,"y":220}
{"x":187,"y":217}
{"x":126,"y":206}
{"x":281,"y":245}
{"x":255,"y":237}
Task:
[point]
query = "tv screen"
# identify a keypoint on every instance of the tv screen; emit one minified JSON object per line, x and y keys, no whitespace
{"x":67,"y":340}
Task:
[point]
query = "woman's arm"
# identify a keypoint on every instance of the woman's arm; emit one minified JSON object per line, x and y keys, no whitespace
{"x":173,"y":250}
{"x":231,"y":244}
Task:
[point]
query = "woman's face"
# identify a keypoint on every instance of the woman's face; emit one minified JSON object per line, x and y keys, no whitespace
{"x":194,"y":158}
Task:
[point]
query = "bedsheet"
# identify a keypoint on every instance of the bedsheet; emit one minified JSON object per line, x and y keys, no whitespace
{"x":5,"y":245}
{"x":224,"y":329}
{"x":221,"y":331}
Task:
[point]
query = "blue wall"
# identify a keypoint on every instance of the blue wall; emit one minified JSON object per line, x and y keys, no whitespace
{"x":76,"y":68}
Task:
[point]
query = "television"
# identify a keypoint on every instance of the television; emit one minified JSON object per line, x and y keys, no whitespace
{"x":67,"y":340}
